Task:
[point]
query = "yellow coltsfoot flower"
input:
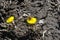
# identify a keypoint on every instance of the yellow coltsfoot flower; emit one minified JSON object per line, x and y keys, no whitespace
{"x":31,"y":20}
{"x":10,"y":19}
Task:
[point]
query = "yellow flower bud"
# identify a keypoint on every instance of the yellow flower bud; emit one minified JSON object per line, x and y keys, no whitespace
{"x":31,"y":20}
{"x":10,"y":19}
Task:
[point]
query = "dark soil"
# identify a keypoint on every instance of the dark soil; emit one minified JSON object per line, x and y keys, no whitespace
{"x":48,"y":10}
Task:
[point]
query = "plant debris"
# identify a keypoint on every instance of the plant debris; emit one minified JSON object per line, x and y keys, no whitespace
{"x":46,"y":26}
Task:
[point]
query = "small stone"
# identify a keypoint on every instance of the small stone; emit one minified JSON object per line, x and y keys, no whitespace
{"x":25,"y":14}
{"x":41,"y":21}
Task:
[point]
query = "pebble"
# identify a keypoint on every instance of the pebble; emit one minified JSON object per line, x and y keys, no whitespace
{"x":41,"y":21}
{"x":25,"y":14}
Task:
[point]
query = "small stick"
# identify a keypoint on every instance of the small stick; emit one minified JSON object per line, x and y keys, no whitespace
{"x":2,"y":30}
{"x":14,"y":25}
{"x":10,"y":2}
{"x":44,"y":34}
{"x":2,"y":17}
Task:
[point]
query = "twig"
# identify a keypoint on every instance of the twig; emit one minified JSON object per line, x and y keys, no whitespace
{"x":44,"y":34}
{"x":14,"y":25}
{"x":3,"y":30}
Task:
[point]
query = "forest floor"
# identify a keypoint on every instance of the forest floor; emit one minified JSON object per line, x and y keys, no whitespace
{"x":47,"y":13}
